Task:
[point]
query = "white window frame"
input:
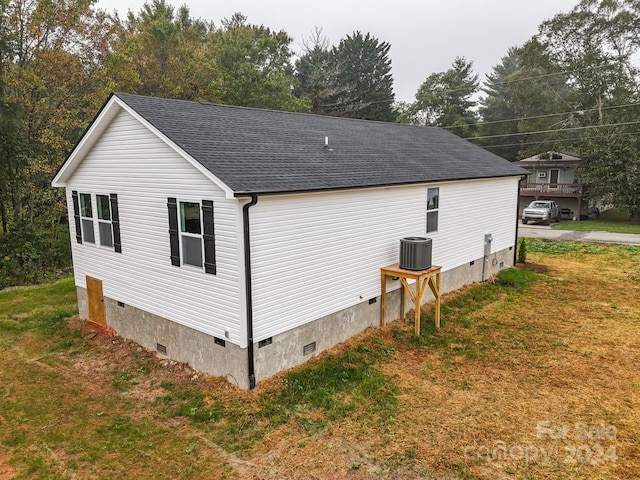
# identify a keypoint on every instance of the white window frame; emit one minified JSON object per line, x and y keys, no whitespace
{"x":432,"y":210}
{"x":182,"y":234}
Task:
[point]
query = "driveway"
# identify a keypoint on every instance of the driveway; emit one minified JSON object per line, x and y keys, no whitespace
{"x":544,"y":231}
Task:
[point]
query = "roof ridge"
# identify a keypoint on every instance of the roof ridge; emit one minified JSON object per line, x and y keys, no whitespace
{"x":243,"y":107}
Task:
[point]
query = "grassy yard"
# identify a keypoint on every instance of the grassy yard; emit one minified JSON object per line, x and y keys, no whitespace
{"x":533,"y":376}
{"x":610,"y":221}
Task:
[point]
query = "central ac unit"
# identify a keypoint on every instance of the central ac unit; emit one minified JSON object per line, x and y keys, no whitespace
{"x":415,"y":253}
{"x":542,"y":174}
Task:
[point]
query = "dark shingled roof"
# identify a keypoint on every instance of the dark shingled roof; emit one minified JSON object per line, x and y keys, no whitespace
{"x":264,"y":151}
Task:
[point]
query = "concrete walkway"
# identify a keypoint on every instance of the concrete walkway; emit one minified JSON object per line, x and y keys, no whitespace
{"x":544,"y":231}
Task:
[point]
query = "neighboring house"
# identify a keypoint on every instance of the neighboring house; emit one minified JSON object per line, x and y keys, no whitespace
{"x":241,"y":241}
{"x":553,"y":176}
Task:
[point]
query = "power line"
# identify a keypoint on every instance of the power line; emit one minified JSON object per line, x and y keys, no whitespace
{"x":574,"y":139}
{"x":554,"y":130}
{"x":533,"y":77}
{"x":544,"y":75}
{"x":533,"y":117}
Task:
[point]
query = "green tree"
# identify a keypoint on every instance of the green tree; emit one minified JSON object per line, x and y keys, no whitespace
{"x":10,"y":159}
{"x":522,"y":251}
{"x":499,"y":109}
{"x":52,"y":83}
{"x":528,"y":105}
{"x":363,"y":85}
{"x":596,"y":44}
{"x":541,"y":94}
{"x":7,"y":135}
{"x":255,"y":68}
{"x":166,"y":53}
{"x":445,"y":99}
{"x":316,"y":73}
{"x":610,"y":162}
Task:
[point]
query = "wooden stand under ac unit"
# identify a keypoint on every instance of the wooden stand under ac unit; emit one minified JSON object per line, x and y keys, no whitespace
{"x":423,"y":278}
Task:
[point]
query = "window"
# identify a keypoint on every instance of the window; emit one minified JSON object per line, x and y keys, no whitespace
{"x":107,"y":217}
{"x":433,"y":205}
{"x":105,"y":233}
{"x":86,"y":216}
{"x":191,"y":234}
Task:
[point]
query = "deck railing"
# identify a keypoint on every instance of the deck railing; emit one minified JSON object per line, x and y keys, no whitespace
{"x":553,"y":189}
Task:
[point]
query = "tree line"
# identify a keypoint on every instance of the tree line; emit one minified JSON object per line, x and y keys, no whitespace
{"x":59,"y":60}
{"x":573,"y":86}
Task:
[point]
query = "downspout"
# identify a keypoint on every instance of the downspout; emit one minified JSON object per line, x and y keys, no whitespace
{"x":515,"y":248}
{"x":247,"y":288}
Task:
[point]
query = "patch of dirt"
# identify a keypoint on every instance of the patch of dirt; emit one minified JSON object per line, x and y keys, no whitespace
{"x":7,"y":472}
{"x":143,"y":370}
{"x":534,"y":267}
{"x":92,"y":328}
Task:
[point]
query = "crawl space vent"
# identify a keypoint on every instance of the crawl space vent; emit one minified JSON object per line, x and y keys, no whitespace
{"x":309,"y":349}
{"x":161,"y":349}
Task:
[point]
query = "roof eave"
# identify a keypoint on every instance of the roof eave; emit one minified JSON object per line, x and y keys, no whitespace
{"x":249,"y":193}
{"x":541,"y":164}
{"x":229,"y":192}
{"x":107,"y":113}
{"x":100,"y":122}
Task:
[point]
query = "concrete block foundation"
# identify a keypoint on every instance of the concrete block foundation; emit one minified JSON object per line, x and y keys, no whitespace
{"x":202,"y":352}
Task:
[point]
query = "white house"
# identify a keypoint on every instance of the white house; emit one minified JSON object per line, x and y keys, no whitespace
{"x":241,"y":241}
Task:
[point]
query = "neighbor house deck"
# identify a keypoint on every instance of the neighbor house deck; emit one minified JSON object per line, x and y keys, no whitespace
{"x":575,"y":190}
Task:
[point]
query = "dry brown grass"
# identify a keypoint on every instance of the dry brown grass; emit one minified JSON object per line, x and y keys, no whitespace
{"x":510,"y":392}
{"x":551,"y":393}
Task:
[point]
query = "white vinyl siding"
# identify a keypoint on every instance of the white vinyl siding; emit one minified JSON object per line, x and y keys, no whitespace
{"x":468,"y":210}
{"x":317,"y":254}
{"x":131,"y":161}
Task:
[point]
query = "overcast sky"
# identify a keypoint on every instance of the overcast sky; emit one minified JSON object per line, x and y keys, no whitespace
{"x":425,"y":36}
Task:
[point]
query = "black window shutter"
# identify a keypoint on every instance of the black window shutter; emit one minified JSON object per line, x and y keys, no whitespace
{"x":76,"y":215}
{"x":209,"y":237}
{"x":172,"y":204}
{"x":115,"y":222}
